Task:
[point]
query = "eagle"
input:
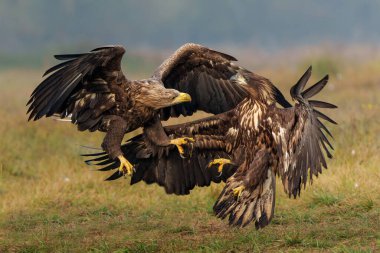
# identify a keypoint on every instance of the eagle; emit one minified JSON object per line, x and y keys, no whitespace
{"x":246,"y":147}
{"x":91,"y":89}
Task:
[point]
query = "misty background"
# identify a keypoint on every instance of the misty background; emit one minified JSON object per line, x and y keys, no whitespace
{"x":32,"y":29}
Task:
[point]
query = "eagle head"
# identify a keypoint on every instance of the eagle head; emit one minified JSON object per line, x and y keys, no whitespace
{"x":156,"y":96}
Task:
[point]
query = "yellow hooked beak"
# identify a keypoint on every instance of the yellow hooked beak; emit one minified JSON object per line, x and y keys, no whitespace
{"x":182,"y":97}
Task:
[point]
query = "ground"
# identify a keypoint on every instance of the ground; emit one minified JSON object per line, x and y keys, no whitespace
{"x":50,"y":201}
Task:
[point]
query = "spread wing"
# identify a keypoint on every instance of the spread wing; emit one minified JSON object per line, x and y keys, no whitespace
{"x":81,"y":86}
{"x":164,"y":165}
{"x":298,"y":154}
{"x":207,"y":76}
{"x":300,"y":137}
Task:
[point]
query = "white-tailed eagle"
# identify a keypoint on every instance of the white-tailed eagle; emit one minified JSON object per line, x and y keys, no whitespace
{"x":92,"y":90}
{"x":246,"y":147}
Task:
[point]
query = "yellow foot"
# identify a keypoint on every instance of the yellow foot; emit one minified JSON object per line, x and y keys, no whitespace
{"x":238,"y":191}
{"x":179,"y":142}
{"x":221,"y":162}
{"x":125,"y":166}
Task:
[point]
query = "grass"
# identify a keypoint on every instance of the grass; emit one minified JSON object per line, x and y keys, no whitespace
{"x":51,"y":202}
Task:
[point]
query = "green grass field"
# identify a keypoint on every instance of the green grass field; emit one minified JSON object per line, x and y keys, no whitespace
{"x":50,"y":201}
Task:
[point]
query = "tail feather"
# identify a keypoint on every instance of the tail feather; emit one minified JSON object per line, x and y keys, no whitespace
{"x":254,"y":204}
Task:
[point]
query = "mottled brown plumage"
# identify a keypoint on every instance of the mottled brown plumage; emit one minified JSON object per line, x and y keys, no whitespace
{"x":92,"y":90}
{"x":261,"y":140}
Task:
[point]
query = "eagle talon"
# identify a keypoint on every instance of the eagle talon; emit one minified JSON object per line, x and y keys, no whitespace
{"x":221,"y":162}
{"x":181,"y":141}
{"x":238,"y":191}
{"x":126,"y":168}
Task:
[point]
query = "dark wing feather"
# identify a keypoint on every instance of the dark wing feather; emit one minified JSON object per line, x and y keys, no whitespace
{"x":208,"y":77}
{"x":81,"y":86}
{"x":300,"y":139}
{"x":316,"y":88}
{"x":177,"y":175}
{"x":164,"y":166}
{"x":321,"y":104}
{"x":295,"y":91}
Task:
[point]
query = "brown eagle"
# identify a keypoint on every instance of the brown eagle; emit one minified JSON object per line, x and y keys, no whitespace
{"x":91,"y":89}
{"x":249,"y":145}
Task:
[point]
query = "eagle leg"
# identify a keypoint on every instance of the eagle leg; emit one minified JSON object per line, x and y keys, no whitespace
{"x":125,"y":166}
{"x":179,"y":142}
{"x":238,"y":191}
{"x":221,"y":162}
{"x":116,"y":128}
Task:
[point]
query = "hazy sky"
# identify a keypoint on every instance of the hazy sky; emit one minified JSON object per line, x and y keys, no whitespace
{"x":39,"y":24}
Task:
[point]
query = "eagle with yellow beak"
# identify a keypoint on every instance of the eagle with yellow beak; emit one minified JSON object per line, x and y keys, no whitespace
{"x":91,"y":90}
{"x":246,"y":147}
